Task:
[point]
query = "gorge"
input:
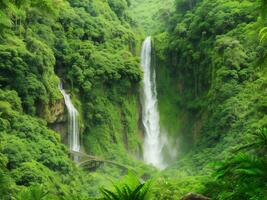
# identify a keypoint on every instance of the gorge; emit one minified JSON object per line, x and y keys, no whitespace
{"x":176,"y":115}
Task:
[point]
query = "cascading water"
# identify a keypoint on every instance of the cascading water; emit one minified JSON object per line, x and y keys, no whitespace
{"x":150,"y":115}
{"x":73,"y":129}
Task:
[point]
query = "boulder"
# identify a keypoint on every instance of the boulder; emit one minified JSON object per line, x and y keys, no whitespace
{"x":192,"y":196}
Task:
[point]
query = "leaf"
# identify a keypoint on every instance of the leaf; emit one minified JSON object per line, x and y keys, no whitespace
{"x":263,"y":34}
{"x":109,"y":195}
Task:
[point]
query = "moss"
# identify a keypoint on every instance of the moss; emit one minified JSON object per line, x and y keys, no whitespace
{"x":116,"y":128}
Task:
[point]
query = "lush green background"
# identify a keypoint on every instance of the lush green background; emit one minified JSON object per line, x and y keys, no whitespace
{"x":214,"y":93}
{"x":91,"y":46}
{"x":211,"y":80}
{"x":151,"y":15}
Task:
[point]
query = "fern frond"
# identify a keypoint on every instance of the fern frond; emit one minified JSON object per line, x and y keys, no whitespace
{"x":109,"y":195}
{"x":135,"y":193}
{"x":263,"y":34}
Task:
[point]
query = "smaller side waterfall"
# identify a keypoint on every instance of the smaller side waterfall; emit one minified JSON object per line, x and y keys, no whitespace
{"x":73,"y":129}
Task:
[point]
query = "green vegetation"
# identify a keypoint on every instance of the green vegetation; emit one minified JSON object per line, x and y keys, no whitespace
{"x":31,"y":154}
{"x":210,"y":59}
{"x":151,"y":14}
{"x":214,"y":55}
{"x":91,"y":46}
{"x":129,"y":189}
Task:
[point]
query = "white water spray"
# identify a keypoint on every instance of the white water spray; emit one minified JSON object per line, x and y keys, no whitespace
{"x":73,"y":129}
{"x":150,"y":116}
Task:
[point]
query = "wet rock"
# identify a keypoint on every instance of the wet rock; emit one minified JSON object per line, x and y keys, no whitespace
{"x":192,"y":196}
{"x":56,"y":116}
{"x":53,"y":112}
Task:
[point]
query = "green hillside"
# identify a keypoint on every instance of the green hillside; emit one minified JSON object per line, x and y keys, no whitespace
{"x":196,"y":104}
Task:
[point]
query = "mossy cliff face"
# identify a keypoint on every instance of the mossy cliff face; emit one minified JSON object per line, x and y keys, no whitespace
{"x":174,"y":118}
{"x":58,"y":120}
{"x":116,"y":130}
{"x":205,"y":72}
{"x":54,"y":112}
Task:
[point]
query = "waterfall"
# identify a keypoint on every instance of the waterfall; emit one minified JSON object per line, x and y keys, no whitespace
{"x":73,"y":129}
{"x":150,"y":114}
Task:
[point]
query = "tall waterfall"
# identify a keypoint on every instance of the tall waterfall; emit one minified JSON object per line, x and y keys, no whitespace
{"x":150,"y":114}
{"x":73,"y":129}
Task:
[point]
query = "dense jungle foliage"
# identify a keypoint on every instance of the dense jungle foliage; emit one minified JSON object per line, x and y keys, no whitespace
{"x":210,"y":59}
{"x":151,"y":15}
{"x":215,"y":62}
{"x":91,"y":46}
